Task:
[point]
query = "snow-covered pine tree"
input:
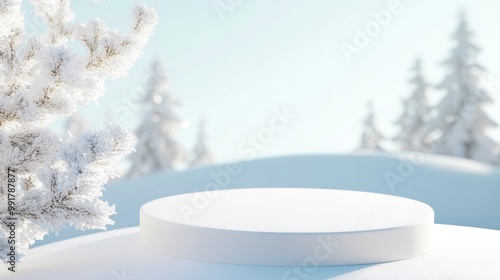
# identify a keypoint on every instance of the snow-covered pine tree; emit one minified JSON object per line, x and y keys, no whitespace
{"x":201,"y":155}
{"x":157,"y":149}
{"x":58,"y":182}
{"x":75,"y":124}
{"x":461,"y":123}
{"x":415,"y":113}
{"x":371,"y":137}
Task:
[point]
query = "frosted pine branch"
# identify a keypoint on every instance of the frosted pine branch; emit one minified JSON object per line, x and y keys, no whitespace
{"x":59,"y":181}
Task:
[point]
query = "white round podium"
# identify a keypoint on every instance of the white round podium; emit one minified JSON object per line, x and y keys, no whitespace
{"x":287,"y":227}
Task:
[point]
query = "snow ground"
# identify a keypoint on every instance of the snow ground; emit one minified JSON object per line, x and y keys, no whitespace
{"x":458,"y":253}
{"x":460,"y":191}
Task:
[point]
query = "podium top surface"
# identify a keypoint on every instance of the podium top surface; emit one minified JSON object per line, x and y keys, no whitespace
{"x":290,"y":210}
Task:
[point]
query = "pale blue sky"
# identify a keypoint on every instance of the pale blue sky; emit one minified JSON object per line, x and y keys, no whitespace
{"x":265,"y":55}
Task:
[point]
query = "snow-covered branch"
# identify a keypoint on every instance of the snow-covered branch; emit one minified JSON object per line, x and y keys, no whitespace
{"x":59,"y":181}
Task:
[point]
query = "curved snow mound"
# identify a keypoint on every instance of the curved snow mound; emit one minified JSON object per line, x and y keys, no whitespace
{"x":460,"y":191}
{"x":436,"y":161}
{"x":461,"y":165}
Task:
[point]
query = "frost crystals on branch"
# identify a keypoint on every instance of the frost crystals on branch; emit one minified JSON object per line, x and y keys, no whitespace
{"x":42,"y":76}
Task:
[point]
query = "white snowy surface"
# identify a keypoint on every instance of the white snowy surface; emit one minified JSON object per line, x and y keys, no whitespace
{"x":282,"y":226}
{"x":461,"y":192}
{"x":459,"y":253}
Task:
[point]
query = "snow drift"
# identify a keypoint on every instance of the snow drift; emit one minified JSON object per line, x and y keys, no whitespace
{"x":461,"y":192}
